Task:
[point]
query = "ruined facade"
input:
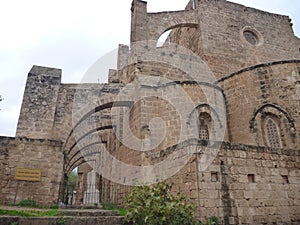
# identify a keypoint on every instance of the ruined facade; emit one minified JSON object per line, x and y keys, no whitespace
{"x":215,"y":110}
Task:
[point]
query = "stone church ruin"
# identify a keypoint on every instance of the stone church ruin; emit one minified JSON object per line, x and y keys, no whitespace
{"x":215,"y":110}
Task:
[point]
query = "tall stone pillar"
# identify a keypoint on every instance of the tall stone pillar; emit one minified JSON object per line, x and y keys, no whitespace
{"x":139,"y":21}
{"x":39,"y":103}
{"x":91,"y":195}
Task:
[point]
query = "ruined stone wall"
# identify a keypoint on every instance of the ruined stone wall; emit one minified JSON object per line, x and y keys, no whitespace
{"x":248,"y":90}
{"x":243,"y":184}
{"x":188,"y":37}
{"x":63,"y":114}
{"x":221,"y":42}
{"x":72,"y":105}
{"x":39,"y":103}
{"x":162,"y":116}
{"x":149,"y":26}
{"x":263,"y":184}
{"x":75,"y":117}
{"x":30,"y":153}
{"x":50,"y":109}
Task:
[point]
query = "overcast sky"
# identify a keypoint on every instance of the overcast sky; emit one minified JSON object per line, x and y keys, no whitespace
{"x":72,"y":35}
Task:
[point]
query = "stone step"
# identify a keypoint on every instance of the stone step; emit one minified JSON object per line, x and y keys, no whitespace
{"x":63,"y":220}
{"x":88,"y":212}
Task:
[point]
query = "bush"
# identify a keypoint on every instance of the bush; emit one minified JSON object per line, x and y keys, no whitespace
{"x":155,"y":205}
{"x":211,"y":221}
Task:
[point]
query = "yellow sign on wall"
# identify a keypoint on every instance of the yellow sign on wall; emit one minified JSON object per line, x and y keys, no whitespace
{"x":28,"y":174}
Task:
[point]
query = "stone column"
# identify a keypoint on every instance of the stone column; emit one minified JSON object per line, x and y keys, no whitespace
{"x":91,"y":195}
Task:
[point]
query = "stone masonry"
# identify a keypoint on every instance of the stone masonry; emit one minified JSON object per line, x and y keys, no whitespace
{"x":215,"y":111}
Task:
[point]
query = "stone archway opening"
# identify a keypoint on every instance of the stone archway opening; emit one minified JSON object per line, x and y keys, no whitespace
{"x":164,"y":39}
{"x":83,"y":149}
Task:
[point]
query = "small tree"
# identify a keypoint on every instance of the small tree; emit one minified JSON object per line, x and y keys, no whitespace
{"x":70,"y":187}
{"x":72,"y":179}
{"x":155,"y":205}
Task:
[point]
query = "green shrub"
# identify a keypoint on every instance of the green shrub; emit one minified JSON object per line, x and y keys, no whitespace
{"x":211,"y":221}
{"x":155,"y":205}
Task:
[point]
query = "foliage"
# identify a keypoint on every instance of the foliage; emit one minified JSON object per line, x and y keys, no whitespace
{"x":54,"y":207}
{"x":155,"y":205}
{"x":122,"y":212}
{"x":211,"y":221}
{"x":32,"y":213}
{"x":72,"y":179}
{"x":61,"y":221}
{"x":27,"y":203}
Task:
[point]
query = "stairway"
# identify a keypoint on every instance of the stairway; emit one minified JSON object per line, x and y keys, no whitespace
{"x":69,"y":217}
{"x":90,"y":217}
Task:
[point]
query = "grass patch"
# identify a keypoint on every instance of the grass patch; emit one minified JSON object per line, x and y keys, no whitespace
{"x":108,"y":206}
{"x":122,"y":212}
{"x":32,"y":213}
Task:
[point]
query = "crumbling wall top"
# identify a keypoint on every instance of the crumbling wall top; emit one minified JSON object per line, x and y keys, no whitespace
{"x":46,"y":71}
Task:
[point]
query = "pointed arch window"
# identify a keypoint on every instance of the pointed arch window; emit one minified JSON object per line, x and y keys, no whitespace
{"x":272,"y":133}
{"x":204,"y":124}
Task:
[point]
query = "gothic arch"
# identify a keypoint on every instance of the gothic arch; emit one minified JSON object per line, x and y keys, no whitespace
{"x":87,"y":153}
{"x":85,"y":114}
{"x":272,"y":106}
{"x":83,"y":130}
{"x":272,"y":125}
{"x":271,"y":130}
{"x":149,"y":26}
{"x":158,"y":35}
{"x":207,"y":108}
